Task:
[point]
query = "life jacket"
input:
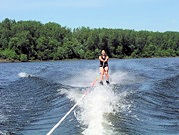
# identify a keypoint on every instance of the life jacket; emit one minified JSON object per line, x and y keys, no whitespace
{"x":105,"y":64}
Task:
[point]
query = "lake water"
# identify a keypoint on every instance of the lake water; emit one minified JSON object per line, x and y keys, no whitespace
{"x":142,"y":98}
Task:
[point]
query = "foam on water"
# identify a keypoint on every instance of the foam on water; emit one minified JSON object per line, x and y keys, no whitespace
{"x":93,"y":110}
{"x":23,"y":74}
{"x":82,"y":79}
{"x":99,"y":102}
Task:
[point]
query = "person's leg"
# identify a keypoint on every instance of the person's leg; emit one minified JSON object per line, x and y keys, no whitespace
{"x":101,"y":69}
{"x":106,"y":69}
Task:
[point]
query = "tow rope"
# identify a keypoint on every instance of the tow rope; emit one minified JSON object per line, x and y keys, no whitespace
{"x":63,"y":118}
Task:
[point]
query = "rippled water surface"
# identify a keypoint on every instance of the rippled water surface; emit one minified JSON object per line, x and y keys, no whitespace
{"x":142,"y":98}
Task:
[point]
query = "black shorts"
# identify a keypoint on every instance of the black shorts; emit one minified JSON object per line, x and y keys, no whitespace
{"x":105,"y":65}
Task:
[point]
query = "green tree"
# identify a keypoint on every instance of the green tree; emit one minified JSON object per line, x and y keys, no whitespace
{"x":8,"y":54}
{"x":149,"y":50}
{"x":23,"y":57}
{"x":31,"y":40}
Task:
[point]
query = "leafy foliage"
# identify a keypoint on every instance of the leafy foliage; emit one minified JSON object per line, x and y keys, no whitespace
{"x":32,"y":40}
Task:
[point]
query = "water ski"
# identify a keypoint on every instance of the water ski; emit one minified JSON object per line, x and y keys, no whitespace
{"x":101,"y":82}
{"x":107,"y":82}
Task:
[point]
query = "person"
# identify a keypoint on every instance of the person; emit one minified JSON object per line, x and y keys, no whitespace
{"x":104,"y":67}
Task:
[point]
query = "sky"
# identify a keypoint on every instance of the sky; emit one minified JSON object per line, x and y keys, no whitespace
{"x":152,"y":15}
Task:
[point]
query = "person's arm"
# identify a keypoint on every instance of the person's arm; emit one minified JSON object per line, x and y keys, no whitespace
{"x":101,"y":59}
{"x":107,"y":58}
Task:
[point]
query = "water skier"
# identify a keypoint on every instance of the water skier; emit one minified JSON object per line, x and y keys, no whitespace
{"x":104,"y":67}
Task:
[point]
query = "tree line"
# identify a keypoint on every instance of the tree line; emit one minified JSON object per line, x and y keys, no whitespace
{"x":32,"y":40}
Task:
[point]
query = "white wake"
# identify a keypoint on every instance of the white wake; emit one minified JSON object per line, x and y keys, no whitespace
{"x":23,"y":74}
{"x":100,"y":102}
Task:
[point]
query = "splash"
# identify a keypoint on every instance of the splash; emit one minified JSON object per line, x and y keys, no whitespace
{"x":84,"y":79}
{"x":23,"y":74}
{"x":93,"y":111}
{"x":100,"y":102}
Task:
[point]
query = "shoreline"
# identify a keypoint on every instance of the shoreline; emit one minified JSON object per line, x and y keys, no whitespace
{"x":17,"y":61}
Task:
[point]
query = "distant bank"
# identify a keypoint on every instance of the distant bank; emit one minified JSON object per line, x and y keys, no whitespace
{"x":34,"y":41}
{"x":18,"y":61}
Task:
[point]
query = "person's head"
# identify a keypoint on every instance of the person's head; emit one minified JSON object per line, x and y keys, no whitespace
{"x":103,"y":52}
